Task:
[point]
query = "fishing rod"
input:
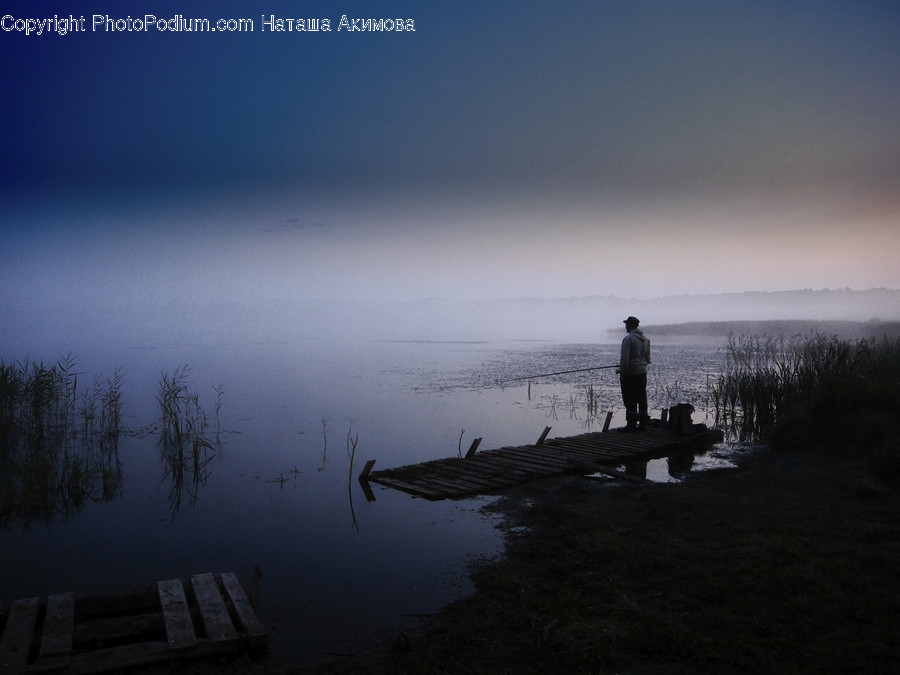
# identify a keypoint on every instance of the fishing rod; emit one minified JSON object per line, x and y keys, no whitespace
{"x":561,"y":372}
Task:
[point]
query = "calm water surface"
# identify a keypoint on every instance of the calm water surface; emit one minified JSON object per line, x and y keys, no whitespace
{"x":279,"y":494}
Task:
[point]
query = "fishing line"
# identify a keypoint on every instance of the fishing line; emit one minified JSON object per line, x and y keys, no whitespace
{"x":561,"y":372}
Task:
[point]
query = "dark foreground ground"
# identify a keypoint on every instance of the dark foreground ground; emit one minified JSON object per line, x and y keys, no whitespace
{"x":788,"y":564}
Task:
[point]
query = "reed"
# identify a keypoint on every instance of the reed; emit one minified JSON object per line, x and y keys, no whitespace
{"x":185,"y":446}
{"x":802,"y":390}
{"x":58,"y":444}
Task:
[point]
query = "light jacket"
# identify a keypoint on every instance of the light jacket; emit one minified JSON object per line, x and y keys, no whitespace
{"x":635,"y":354}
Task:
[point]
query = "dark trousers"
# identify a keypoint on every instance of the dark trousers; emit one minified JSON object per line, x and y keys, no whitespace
{"x":634,"y":395}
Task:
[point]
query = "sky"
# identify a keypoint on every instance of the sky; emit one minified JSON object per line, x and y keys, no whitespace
{"x":501,"y":149}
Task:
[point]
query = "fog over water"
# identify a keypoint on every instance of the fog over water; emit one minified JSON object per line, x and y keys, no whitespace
{"x":360,"y":233}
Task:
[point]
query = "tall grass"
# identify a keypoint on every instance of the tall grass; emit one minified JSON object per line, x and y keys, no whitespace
{"x":812,"y":390}
{"x":185,"y":444}
{"x":58,"y":443}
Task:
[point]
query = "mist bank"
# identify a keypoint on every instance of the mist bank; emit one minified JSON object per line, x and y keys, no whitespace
{"x":54,"y":329}
{"x":576,"y":319}
{"x":591,"y":318}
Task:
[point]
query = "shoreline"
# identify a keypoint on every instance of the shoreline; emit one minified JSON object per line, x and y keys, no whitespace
{"x":786,"y":562}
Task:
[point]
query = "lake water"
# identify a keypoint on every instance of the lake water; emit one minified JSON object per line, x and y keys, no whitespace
{"x":279,"y":495}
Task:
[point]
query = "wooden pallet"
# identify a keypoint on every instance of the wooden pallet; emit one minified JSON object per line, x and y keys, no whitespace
{"x":210,"y":616}
{"x":493,"y":470}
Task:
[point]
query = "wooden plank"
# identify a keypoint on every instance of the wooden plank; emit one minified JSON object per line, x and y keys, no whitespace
{"x":58,"y":634}
{"x":16,"y":643}
{"x":586,"y":450}
{"x":583,"y":447}
{"x":179,"y":626}
{"x":598,"y":441}
{"x":535,"y":468}
{"x":462,"y":466}
{"x":216,"y":619}
{"x":624,"y":447}
{"x":552,"y":461}
{"x":118,"y":628}
{"x":436,"y":474}
{"x":250,"y":623}
{"x":465,"y":474}
{"x":443,"y":488}
{"x":495,"y":459}
{"x":523,"y":468}
{"x":166,"y":634}
{"x":454,"y":484}
{"x":575,"y":451}
{"x":512,"y":468}
{"x":473,"y":448}
{"x":459,"y":484}
{"x":403,"y":486}
{"x":600,"y":455}
{"x":366,"y":470}
{"x":480,"y":467}
{"x":439,"y":480}
{"x":495,"y":469}
{"x":546,"y":451}
{"x":535,"y":457}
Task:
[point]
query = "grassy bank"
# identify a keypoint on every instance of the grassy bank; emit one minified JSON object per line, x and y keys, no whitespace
{"x":785,"y":565}
{"x":817,"y":393}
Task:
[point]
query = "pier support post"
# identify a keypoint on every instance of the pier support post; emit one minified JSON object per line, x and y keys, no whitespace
{"x":366,"y":469}
{"x":543,"y":437}
{"x":364,"y":481}
{"x":608,"y":420}
{"x":473,"y":448}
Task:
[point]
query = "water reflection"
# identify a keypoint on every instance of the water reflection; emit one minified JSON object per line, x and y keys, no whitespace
{"x":351,"y":454}
{"x":58,"y":444}
{"x":185,"y":447}
{"x":680,"y":464}
{"x":677,"y":466}
{"x":184,"y":464}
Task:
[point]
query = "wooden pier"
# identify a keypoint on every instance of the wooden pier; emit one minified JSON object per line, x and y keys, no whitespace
{"x":492,"y":470}
{"x":210,"y":616}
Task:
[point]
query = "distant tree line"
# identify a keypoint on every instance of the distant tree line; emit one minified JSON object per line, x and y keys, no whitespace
{"x":849,"y":330}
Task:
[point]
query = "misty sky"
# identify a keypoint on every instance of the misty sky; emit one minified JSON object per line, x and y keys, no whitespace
{"x":502,"y":149}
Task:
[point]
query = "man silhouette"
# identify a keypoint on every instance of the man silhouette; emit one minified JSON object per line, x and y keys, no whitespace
{"x":633,"y":376}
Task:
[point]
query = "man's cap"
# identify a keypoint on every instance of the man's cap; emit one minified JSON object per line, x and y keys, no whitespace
{"x":631,"y":321}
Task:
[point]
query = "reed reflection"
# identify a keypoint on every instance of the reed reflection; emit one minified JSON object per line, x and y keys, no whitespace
{"x":185,"y":447}
{"x":58,"y":443}
{"x":352,"y":440}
